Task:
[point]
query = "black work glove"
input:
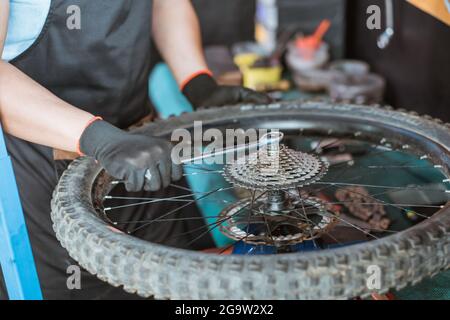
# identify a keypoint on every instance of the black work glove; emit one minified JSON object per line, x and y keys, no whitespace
{"x":203,"y":91}
{"x":142,"y":162}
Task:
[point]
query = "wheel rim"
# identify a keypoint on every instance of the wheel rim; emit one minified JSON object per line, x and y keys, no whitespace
{"x":332,"y":132}
{"x":435,"y":152}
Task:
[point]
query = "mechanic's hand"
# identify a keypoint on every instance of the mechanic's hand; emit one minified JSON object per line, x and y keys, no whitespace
{"x":142,"y":162}
{"x":203,"y":91}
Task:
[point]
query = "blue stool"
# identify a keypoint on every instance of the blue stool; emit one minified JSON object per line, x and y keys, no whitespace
{"x":16,"y":258}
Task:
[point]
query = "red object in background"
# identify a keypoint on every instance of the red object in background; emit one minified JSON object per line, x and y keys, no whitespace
{"x":311,"y":43}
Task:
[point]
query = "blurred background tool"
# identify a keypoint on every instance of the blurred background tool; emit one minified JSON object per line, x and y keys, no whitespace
{"x":307,"y":56}
{"x":385,"y":37}
{"x":308,"y":45}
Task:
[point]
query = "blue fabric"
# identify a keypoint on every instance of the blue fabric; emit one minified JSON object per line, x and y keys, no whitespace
{"x":26,"y":20}
{"x":168,"y":100}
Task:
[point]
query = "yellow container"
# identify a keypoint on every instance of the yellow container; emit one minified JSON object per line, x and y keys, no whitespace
{"x":257,"y":77}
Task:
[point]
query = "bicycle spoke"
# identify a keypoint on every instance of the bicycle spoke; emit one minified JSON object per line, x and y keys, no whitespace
{"x":217,"y":224}
{"x":365,"y":164}
{"x":176,"y":210}
{"x":162,"y":199}
{"x":379,"y":186}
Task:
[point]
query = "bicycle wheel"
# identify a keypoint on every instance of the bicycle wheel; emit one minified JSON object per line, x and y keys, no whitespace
{"x":361,"y":188}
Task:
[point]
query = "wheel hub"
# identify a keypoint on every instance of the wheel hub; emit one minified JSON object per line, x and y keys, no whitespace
{"x":304,"y":219}
{"x":279,"y":216}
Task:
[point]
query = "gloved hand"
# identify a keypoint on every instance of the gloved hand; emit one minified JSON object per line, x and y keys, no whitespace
{"x":203,"y":91}
{"x":142,"y":162}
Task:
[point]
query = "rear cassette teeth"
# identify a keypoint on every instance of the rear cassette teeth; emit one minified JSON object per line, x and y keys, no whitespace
{"x":279,"y":169}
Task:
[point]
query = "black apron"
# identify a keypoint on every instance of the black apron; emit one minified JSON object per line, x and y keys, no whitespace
{"x":103,"y":68}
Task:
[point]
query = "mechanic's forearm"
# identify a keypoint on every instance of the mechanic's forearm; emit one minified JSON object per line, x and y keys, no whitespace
{"x":176,"y":32}
{"x":31,"y":112}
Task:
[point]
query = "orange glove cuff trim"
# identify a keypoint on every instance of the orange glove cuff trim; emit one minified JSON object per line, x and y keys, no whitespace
{"x":192,"y":76}
{"x":87,"y":125}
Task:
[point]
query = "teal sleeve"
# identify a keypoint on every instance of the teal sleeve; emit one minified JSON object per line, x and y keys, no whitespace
{"x":168,"y":100}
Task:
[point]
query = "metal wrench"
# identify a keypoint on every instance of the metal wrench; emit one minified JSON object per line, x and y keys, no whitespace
{"x":269,"y":138}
